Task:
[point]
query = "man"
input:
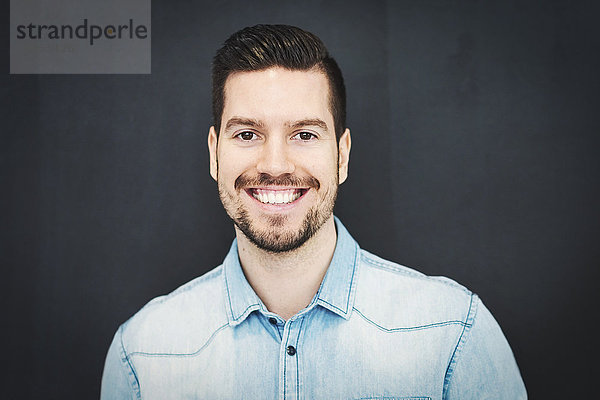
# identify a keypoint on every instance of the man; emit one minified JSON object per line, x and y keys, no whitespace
{"x":297,"y":309}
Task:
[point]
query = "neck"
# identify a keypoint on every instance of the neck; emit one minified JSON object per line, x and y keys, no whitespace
{"x":287,"y":282}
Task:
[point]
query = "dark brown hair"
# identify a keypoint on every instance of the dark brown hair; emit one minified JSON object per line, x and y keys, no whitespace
{"x":260,"y":47}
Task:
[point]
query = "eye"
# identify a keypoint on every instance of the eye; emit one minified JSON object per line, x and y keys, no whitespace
{"x":305,"y":136}
{"x":246,"y":136}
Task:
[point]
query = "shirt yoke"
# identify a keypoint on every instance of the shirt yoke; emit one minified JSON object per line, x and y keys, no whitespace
{"x":406,"y":299}
{"x":180,"y":323}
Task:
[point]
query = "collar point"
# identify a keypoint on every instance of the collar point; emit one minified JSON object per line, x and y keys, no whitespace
{"x":346,"y":314}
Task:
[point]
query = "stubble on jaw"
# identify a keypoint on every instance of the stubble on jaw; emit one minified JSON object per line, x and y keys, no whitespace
{"x":274,"y":241}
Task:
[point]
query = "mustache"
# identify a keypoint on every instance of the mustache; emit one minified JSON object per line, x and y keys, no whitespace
{"x":244,"y":181}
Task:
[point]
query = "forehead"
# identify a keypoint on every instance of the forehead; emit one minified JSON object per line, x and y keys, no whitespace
{"x":277,"y":94}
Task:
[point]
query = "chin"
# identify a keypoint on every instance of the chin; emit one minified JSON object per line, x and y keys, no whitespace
{"x":279,"y":236}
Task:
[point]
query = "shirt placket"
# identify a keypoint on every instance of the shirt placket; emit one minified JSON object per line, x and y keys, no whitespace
{"x":289,"y":387}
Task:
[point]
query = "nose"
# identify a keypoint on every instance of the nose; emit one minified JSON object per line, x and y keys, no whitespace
{"x":274,"y":158}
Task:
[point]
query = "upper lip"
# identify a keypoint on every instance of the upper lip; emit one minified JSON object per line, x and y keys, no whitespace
{"x":277,"y":188}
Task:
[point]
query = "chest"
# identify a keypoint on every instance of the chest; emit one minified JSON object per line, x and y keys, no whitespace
{"x":307,"y":359}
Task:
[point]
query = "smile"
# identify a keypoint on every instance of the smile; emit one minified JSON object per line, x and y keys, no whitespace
{"x":279,"y":196}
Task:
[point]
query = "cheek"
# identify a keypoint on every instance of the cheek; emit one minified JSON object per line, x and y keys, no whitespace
{"x":323,"y":164}
{"x":317,"y":158}
{"x":233,"y":164}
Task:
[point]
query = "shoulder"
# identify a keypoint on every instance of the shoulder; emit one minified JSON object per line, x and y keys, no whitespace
{"x":396,"y":296}
{"x":180,"y":322}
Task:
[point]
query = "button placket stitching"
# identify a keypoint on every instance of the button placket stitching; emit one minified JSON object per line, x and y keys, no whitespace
{"x":290,"y":361}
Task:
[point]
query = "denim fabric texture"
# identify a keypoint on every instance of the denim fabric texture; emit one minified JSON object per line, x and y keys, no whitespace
{"x":374,"y":330}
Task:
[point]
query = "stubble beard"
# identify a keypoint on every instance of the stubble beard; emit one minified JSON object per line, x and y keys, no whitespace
{"x":277,"y":239}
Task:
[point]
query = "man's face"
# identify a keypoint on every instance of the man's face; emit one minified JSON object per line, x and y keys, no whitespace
{"x":276,"y":159}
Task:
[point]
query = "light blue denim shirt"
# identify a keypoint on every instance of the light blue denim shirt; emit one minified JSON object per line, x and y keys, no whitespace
{"x":374,"y":330}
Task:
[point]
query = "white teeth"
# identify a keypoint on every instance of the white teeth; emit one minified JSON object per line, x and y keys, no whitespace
{"x":276,"y":197}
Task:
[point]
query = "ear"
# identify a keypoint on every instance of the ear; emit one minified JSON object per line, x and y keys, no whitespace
{"x":344,"y":145}
{"x":213,"y":142}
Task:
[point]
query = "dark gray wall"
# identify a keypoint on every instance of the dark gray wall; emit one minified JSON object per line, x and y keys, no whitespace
{"x":475,"y":139}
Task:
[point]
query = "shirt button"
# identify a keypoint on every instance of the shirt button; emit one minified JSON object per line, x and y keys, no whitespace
{"x":291,"y":350}
{"x":273,"y":321}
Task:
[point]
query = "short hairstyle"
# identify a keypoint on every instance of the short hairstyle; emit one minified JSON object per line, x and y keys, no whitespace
{"x":260,"y":47}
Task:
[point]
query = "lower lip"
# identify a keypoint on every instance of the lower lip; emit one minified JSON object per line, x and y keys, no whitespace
{"x":277,"y":207}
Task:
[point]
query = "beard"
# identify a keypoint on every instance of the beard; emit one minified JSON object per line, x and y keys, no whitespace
{"x":275,"y":238}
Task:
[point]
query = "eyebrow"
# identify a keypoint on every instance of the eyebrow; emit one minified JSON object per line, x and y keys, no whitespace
{"x":237,"y":121}
{"x":308,"y":122}
{"x":254,"y":123}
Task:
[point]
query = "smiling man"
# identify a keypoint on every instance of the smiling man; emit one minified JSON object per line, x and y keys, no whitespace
{"x":298,"y":309}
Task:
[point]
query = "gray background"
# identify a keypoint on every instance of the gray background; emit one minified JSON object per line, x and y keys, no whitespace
{"x":475,"y":140}
{"x":50,"y":56}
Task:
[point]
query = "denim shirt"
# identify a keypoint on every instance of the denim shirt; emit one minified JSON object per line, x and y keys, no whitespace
{"x":374,"y":330}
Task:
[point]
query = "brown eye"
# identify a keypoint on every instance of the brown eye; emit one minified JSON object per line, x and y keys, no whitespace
{"x":305,"y":136}
{"x":246,"y":135}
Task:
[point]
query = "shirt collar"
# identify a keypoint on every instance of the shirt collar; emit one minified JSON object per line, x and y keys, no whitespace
{"x":336,"y":292}
{"x":337,"y":289}
{"x":239,"y":295}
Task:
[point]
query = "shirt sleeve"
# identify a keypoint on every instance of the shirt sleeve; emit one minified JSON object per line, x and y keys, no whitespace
{"x":483,"y":365}
{"x":118,"y":379}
